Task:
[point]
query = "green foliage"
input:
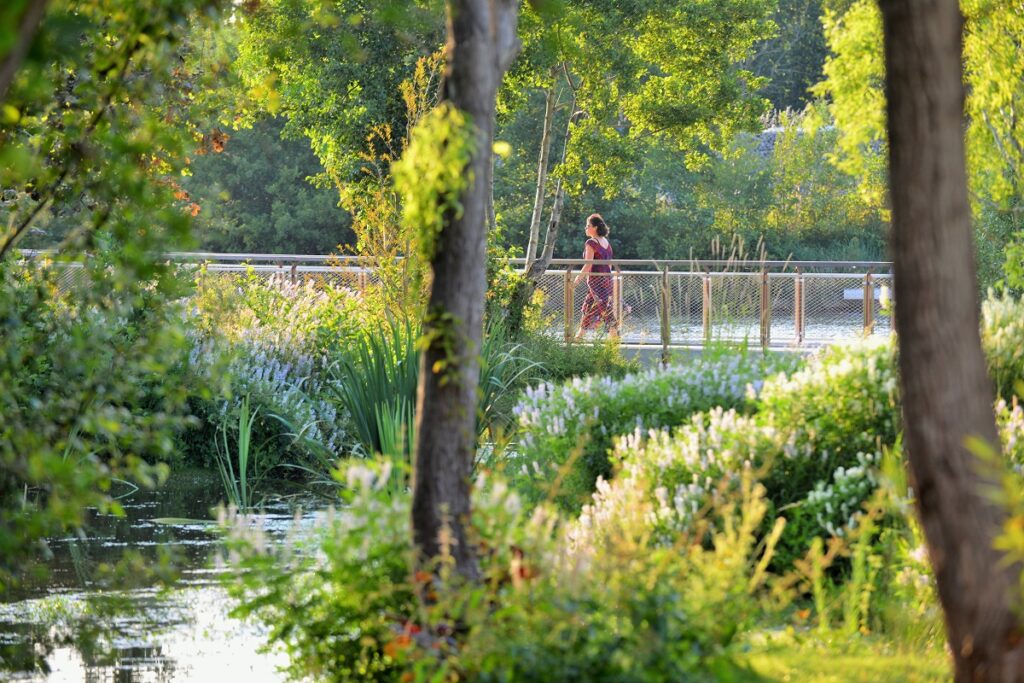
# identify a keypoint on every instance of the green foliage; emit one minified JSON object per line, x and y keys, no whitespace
{"x":432,"y":174}
{"x":271,"y":340}
{"x":560,"y":362}
{"x":82,"y":397}
{"x":240,"y":486}
{"x":556,"y":603}
{"x":333,"y":69}
{"x":336,"y":619}
{"x":1002,"y":336}
{"x":255,"y":197}
{"x":781,"y":190}
{"x":815,"y":442}
{"x":791,"y":60}
{"x":995,"y":90}
{"x":815,"y":439}
{"x":854,"y":76}
{"x":86,"y":162}
{"x":374,"y":381}
{"x":374,"y":378}
{"x":566,"y":431}
{"x":843,"y":403}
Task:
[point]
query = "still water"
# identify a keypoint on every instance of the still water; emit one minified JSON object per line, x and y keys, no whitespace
{"x":71,"y":628}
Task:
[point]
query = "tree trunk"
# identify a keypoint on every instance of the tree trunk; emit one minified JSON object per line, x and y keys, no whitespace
{"x":947,"y":395}
{"x":537,"y":268}
{"x":28,"y":26}
{"x":481,"y":43}
{"x":542,"y":175}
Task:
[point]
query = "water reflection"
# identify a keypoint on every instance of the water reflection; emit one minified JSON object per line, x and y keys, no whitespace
{"x":74,"y":628}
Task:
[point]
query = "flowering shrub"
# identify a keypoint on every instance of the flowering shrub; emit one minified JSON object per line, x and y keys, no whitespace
{"x":344,"y":604}
{"x":844,"y":401}
{"x":1002,"y":336}
{"x":269,"y":340}
{"x":1010,"y":418}
{"x":572,"y":425}
{"x":814,"y":443}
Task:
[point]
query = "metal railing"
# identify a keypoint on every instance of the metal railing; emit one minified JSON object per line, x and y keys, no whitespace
{"x":660,"y":302}
{"x":693,"y":303}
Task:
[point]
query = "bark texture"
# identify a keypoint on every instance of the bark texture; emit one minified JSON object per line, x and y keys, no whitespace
{"x":481,"y":44}
{"x":947,"y":395}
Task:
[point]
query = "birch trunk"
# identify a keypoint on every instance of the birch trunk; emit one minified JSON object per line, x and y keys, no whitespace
{"x":542,"y":176}
{"x":537,"y":268}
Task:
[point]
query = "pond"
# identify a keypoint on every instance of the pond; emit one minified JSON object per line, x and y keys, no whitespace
{"x":70,"y":627}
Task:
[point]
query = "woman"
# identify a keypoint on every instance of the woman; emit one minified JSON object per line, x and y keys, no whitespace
{"x":597,"y":306}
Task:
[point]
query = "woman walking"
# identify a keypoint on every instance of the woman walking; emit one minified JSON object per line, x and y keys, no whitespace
{"x":598,"y":307}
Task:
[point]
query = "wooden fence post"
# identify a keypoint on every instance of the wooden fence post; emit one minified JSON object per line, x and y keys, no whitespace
{"x":666,"y":307}
{"x":568,"y":295}
{"x":798,"y":306}
{"x":766,"y":312}
{"x":706,"y":307}
{"x":869,"y":305}
{"x":618,"y":298}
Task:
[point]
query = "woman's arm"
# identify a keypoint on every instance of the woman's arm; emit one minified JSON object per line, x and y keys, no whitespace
{"x":588,"y":253}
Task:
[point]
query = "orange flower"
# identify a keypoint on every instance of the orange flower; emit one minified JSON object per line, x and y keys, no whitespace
{"x":396,"y":646}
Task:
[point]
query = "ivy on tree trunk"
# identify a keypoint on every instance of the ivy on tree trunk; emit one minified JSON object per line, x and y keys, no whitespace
{"x":481,"y":44}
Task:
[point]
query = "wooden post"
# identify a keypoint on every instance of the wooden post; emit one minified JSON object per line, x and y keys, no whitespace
{"x":361,"y":279}
{"x":295,"y":273}
{"x":568,"y":296}
{"x":766,"y":312}
{"x":618,"y":298}
{"x":706,"y":307}
{"x":798,"y":306}
{"x":869,"y":305}
{"x":666,"y":307}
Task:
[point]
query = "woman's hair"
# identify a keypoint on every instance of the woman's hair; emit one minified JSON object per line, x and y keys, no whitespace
{"x":596,"y":222}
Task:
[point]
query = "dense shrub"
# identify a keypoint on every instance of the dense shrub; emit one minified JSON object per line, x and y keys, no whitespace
{"x":844,"y":402}
{"x":815,"y":441}
{"x":271,"y":340}
{"x":1002,"y":336}
{"x":559,"y":362}
{"x":611,"y":609}
{"x":89,"y":394}
{"x":573,"y":424}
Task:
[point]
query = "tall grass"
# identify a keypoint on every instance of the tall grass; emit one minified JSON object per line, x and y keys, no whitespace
{"x":375,"y":379}
{"x":376,"y":376}
{"x":240,"y":484}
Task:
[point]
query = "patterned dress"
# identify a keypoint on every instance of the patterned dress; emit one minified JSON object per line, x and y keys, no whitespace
{"x":597,"y":306}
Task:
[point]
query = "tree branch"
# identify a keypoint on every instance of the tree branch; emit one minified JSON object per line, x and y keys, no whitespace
{"x":27,"y":29}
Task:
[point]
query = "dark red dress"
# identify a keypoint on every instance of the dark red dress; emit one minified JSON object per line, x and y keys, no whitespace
{"x":597,"y":306}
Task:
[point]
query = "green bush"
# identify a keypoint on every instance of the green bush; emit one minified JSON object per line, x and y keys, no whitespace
{"x":571,"y":426}
{"x":844,"y":402}
{"x":814,"y":442}
{"x":560,"y":362}
{"x":271,"y":341}
{"x":1002,"y":336}
{"x":88,"y":396}
{"x":557,"y":601}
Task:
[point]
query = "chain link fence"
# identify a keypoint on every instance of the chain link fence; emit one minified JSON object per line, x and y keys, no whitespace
{"x":652,"y":303}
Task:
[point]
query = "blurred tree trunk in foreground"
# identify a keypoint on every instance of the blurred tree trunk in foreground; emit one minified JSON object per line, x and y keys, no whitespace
{"x":481,"y":44}
{"x":947,"y":395}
